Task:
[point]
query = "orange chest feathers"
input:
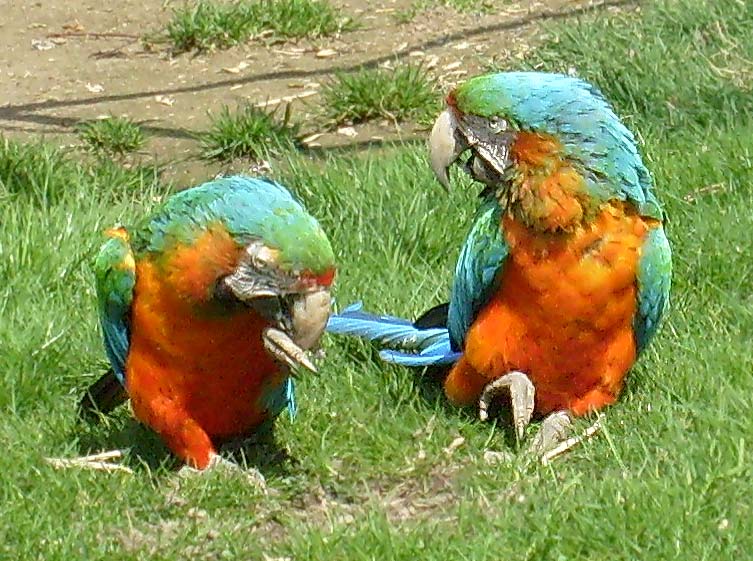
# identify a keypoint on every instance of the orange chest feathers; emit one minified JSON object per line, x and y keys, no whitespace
{"x":209,"y":360}
{"x":564,"y":309}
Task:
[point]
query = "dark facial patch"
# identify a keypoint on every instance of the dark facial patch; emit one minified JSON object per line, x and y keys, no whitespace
{"x":490,"y":145}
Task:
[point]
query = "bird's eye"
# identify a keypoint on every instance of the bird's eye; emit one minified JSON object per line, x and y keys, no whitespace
{"x":496,"y":124}
{"x":260,"y":263}
{"x":263,"y":257}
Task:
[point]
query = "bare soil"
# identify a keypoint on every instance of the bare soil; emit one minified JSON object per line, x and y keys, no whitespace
{"x":81,"y":59}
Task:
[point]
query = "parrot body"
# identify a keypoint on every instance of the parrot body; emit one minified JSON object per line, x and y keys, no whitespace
{"x":563,"y":313}
{"x":566,"y":270}
{"x":193,"y":301}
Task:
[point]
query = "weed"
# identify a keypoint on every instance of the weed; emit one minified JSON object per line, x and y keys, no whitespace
{"x":248,"y":132}
{"x":113,"y":136}
{"x":407,"y":91}
{"x":210,"y":25}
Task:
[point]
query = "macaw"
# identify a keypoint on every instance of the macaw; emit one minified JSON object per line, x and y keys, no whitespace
{"x":207,"y":309}
{"x":565,"y":273}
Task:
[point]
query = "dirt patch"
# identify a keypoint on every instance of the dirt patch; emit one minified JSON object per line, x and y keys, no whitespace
{"x":68,"y":61}
{"x":431,"y":496}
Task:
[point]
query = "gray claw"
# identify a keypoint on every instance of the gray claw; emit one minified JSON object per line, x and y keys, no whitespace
{"x":219,"y":464}
{"x":285,"y":350}
{"x":554,"y":429}
{"x":522,"y":395}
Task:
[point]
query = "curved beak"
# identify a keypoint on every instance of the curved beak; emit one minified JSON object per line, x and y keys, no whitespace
{"x":445,"y":145}
{"x":308,"y":318}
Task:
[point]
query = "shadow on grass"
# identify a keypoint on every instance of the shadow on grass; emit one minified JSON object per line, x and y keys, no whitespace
{"x":28,"y":112}
{"x":147,"y":452}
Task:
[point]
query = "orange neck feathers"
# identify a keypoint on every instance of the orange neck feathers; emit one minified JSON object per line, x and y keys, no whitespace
{"x":547,"y":193}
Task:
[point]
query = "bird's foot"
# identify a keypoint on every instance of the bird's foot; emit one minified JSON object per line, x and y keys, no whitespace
{"x":552,"y":439}
{"x":218,"y":464}
{"x":553,"y":443}
{"x":103,"y":461}
{"x":554,"y":429}
{"x":522,"y":394}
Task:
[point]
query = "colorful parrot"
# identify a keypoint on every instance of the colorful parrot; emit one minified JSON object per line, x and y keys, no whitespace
{"x":207,"y":309}
{"x":566,"y":270}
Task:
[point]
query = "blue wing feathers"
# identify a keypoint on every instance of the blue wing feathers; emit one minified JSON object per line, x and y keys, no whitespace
{"x":477,"y":270}
{"x":282,"y":397}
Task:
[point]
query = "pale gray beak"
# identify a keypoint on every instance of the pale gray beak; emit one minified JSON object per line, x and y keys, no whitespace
{"x":309,"y":315}
{"x":445,"y":146}
{"x":308,"y":318}
{"x":284,"y":349}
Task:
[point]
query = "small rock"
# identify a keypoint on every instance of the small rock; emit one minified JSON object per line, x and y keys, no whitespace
{"x":95,"y":88}
{"x":347,"y":131}
{"x":236,"y":69}
{"x":196,"y":513}
{"x":42,"y":44}
{"x":74,"y":26}
{"x":493,"y":457}
{"x":326,"y":53}
{"x":164,"y":100}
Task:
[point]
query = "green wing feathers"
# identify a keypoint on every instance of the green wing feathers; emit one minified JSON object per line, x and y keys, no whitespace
{"x":654,"y":281}
{"x":115,"y":272}
{"x":477,"y":270}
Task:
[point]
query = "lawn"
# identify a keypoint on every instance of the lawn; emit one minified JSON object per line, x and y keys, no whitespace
{"x":374,"y":466}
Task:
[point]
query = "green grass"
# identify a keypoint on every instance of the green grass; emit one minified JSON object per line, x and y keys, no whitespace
{"x":405,"y":92}
{"x":669,"y":478}
{"x":113,"y":136}
{"x":39,"y":176}
{"x":407,"y":15}
{"x":248,"y":132}
{"x":206,"y":25}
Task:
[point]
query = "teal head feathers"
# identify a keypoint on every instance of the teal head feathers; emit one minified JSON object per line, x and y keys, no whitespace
{"x":251,"y":210}
{"x":489,"y":113}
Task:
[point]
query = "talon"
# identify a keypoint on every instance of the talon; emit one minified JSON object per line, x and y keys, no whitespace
{"x":554,"y":429}
{"x":565,"y":445}
{"x":522,"y":395}
{"x":218,"y":463}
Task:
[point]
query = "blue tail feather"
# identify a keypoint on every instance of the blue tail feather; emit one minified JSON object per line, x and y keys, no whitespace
{"x":407,"y":344}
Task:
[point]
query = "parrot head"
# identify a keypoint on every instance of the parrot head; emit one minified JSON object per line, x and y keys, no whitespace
{"x":265,"y":251}
{"x":285,"y":270}
{"x":293,"y":298}
{"x":506,"y":120}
